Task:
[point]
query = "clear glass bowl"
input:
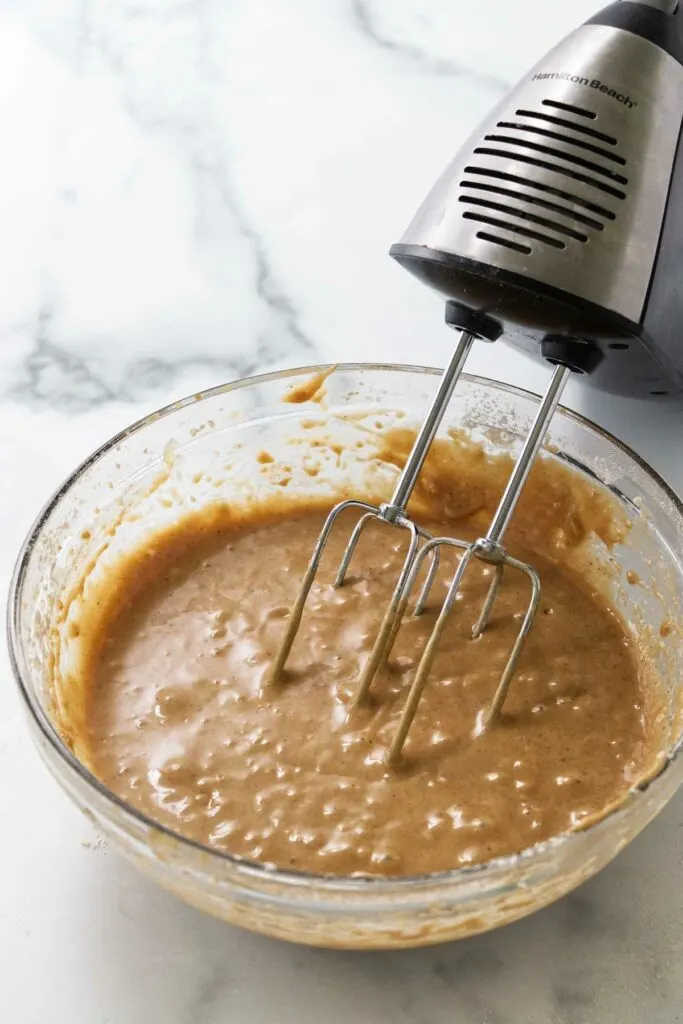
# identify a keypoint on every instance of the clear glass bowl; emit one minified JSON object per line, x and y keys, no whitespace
{"x":203,"y":449}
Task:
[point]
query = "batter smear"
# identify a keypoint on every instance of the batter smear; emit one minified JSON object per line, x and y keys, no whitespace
{"x":183,"y":724}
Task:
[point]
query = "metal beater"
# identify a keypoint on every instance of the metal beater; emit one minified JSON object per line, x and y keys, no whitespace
{"x":560,"y":225}
{"x":488,"y":548}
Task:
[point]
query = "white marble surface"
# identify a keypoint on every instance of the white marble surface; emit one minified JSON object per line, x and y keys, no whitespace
{"x":172,"y":173}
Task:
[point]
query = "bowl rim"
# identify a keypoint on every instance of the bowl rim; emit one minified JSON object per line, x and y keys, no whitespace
{"x":259,"y":871}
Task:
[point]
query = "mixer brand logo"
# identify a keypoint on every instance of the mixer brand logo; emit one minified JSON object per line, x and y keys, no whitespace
{"x":590,"y":83}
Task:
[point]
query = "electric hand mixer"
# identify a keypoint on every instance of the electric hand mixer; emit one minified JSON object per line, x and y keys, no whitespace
{"x":559,"y":225}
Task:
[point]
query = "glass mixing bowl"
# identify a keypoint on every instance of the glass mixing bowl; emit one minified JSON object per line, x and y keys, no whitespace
{"x":204,"y":449}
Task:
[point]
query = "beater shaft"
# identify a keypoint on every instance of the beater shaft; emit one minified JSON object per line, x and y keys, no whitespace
{"x":527,"y":456}
{"x":515,"y":486}
{"x":432,"y":421}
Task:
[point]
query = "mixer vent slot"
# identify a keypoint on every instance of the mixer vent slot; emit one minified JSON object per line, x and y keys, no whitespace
{"x":537,"y":186}
{"x":530,"y":218}
{"x":507,"y":243}
{"x":537,"y":201}
{"x":562,"y":122}
{"x":546,"y":133}
{"x":571,"y":109}
{"x":558,"y":154}
{"x":515,"y":229}
{"x":544,"y":165}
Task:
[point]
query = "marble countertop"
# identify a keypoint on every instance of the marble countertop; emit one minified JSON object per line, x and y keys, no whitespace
{"x":192,"y":190}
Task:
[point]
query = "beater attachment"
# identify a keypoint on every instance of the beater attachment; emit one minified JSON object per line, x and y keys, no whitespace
{"x":424,"y":549}
{"x":488,"y":549}
{"x":392,"y":513}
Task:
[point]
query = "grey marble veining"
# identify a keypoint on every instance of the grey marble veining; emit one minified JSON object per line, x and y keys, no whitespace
{"x":192,"y":191}
{"x":167,"y":141}
{"x":370,"y":18}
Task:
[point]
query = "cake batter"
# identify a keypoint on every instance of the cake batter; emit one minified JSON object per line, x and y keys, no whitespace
{"x":183,"y":723}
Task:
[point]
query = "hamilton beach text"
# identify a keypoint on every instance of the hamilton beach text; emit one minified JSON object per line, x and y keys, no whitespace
{"x":590,"y":83}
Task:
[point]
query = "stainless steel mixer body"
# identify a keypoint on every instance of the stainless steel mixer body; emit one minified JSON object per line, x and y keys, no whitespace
{"x":562,"y":215}
{"x":558,"y":226}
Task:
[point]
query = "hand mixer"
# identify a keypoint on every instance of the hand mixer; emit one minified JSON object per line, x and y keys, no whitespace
{"x":559,"y":225}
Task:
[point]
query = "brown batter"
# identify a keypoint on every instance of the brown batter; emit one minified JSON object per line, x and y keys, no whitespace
{"x":183,"y":724}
